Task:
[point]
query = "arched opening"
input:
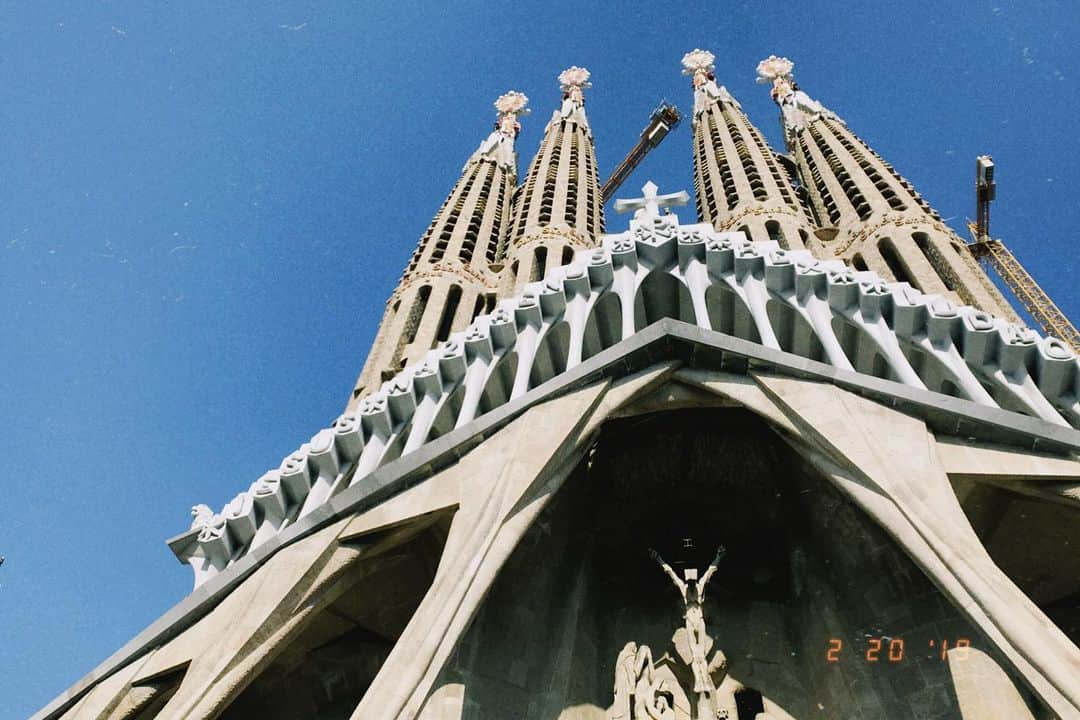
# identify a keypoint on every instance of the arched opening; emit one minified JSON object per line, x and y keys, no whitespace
{"x":776,"y":234}
{"x":447,"y":415}
{"x":329,"y":664}
{"x":412,"y":323}
{"x":662,"y":295}
{"x":539,"y":266}
{"x":896,"y":264}
{"x":797,"y":551}
{"x":861,"y":350}
{"x":446,"y":322}
{"x":934,"y":257}
{"x":858,"y":262}
{"x":478,"y":307}
{"x":603,"y":327}
{"x":567,"y":255}
{"x":728,"y":313}
{"x":550,"y":359}
{"x":793,"y":332}
{"x":499,"y":384}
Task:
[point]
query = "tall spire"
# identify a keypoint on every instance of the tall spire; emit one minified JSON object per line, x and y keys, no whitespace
{"x":450,"y":279}
{"x":741,"y":182}
{"x":871,"y":216}
{"x":558,"y":209}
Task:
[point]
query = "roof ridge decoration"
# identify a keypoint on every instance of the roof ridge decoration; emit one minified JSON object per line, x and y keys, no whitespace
{"x":784,"y":300}
{"x":700,"y":64}
{"x":499,"y":145}
{"x":796,"y":107}
{"x":573,"y":81}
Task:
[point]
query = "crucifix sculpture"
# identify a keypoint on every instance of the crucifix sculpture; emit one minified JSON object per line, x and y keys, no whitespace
{"x":651,"y":202}
{"x":692,"y":590}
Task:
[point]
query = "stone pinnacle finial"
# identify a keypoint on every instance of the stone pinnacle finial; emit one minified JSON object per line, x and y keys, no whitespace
{"x":777,"y":71}
{"x":699,"y":63}
{"x":572,"y":81}
{"x":511,"y":105}
{"x":796,"y":107}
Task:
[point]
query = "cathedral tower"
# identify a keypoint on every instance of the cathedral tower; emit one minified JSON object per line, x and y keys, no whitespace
{"x":870,"y":215}
{"x":558,"y":209}
{"x":449,"y":282}
{"x":742,"y":184}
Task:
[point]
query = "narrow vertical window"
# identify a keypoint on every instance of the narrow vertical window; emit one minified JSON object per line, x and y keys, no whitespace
{"x":446,"y":322}
{"x":775,"y":233}
{"x":417,"y":313}
{"x":896,"y":265}
{"x":539,"y":264}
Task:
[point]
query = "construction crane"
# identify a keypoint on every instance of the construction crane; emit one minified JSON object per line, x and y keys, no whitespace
{"x":662,"y":121}
{"x":992,"y":252}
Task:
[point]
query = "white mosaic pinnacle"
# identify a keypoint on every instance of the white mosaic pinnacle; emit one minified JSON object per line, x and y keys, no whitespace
{"x":574,"y":76}
{"x":784,"y":300}
{"x":774,"y":67}
{"x":512,"y":102}
{"x":698,"y":60}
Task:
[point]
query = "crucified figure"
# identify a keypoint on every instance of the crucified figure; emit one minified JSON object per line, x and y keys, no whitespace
{"x":692,"y":590}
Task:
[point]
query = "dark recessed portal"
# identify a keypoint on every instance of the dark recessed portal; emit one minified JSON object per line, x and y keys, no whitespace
{"x":805,"y":572}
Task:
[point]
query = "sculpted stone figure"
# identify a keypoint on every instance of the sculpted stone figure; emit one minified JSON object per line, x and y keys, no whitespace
{"x":633,"y":663}
{"x":692,"y":590}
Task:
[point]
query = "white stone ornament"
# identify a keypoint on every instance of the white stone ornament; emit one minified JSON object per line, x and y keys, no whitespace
{"x":773,"y":67}
{"x":512,"y":102}
{"x":574,"y":77}
{"x":698,"y":60}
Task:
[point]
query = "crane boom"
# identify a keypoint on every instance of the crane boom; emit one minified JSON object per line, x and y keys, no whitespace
{"x":1046,"y":314}
{"x":662,"y":121}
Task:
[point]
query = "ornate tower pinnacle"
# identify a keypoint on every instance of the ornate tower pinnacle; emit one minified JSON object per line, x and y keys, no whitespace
{"x":742,"y":184}
{"x":699,"y":64}
{"x":796,"y":107}
{"x":558,"y":209}
{"x":871,"y":216}
{"x":499,"y":145}
{"x":449,"y":280}
{"x":573,"y":81}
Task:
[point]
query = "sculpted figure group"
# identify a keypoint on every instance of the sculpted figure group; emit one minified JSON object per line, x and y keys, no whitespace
{"x":648,"y":689}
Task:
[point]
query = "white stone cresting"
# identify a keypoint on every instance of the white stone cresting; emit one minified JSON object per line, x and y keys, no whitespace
{"x":658,"y":268}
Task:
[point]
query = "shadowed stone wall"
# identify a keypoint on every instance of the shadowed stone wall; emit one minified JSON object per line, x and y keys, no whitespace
{"x":803,"y":566}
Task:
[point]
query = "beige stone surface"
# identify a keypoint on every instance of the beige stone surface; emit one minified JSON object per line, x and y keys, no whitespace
{"x":983,"y":690}
{"x":894,"y":473}
{"x":108,"y":695}
{"x":1051,"y":477}
{"x":227,"y":648}
{"x":445,"y":703}
{"x":503,"y":489}
{"x":440,"y":492}
{"x":742,"y":390}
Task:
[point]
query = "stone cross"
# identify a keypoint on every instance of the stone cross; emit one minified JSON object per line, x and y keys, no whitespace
{"x":651,"y":202}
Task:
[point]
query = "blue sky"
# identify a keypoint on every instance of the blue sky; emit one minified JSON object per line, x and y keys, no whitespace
{"x":203,"y":207}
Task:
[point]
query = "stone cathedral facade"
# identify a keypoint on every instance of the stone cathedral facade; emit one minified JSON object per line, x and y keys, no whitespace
{"x":798,"y":459}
